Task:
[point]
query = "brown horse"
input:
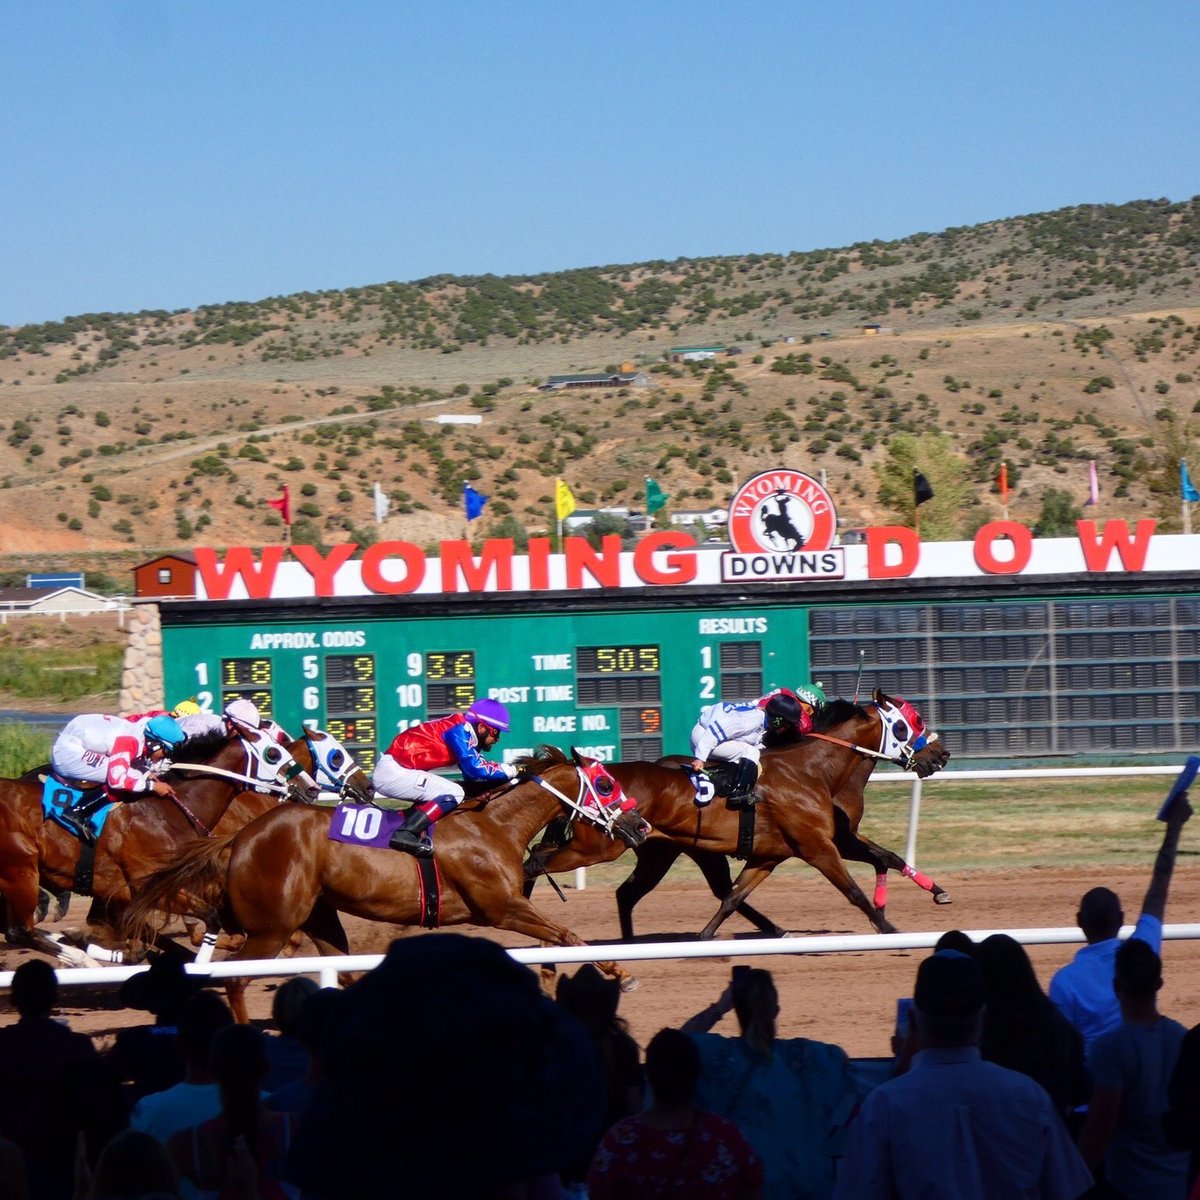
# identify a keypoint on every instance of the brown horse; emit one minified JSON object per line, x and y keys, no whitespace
{"x":283,"y":872}
{"x":138,"y":835}
{"x":811,"y":808}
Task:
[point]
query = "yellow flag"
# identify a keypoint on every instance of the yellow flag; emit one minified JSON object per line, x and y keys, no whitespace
{"x":564,"y":501}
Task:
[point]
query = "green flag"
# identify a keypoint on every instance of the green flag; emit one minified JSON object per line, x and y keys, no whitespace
{"x":656,"y":498}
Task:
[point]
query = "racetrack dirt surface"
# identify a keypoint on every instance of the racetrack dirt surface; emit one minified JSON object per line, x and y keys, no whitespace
{"x":845,"y":998}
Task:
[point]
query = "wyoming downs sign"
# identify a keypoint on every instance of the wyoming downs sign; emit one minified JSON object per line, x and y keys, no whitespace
{"x":782,"y":525}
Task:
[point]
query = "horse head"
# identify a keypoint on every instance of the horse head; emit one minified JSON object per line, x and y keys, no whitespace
{"x":332,"y":763}
{"x":599,"y":798}
{"x":905,"y":738}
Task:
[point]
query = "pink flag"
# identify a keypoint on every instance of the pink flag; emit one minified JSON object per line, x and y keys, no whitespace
{"x":1093,"y":485}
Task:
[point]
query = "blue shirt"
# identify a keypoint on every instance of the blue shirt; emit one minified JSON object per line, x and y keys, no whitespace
{"x":792,"y":1108}
{"x":1138,"y":1060}
{"x":1083,"y":989}
{"x":954,"y":1127}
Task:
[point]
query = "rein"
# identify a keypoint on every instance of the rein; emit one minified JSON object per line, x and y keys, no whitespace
{"x":863,"y":750}
{"x":207,"y":769}
{"x":197,"y":824}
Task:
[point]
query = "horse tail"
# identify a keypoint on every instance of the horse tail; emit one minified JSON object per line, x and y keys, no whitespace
{"x":193,"y":885}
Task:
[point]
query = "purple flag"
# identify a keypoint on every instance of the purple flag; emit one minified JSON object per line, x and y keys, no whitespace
{"x":1093,"y":485}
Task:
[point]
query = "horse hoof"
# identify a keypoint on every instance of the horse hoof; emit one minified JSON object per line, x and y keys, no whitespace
{"x":942,"y":898}
{"x":630,"y":983}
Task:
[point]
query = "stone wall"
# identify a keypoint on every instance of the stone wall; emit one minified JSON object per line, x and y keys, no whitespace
{"x":142,"y":676}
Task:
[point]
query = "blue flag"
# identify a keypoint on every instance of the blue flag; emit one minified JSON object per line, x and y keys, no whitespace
{"x":473,"y":501}
{"x":1185,"y":484}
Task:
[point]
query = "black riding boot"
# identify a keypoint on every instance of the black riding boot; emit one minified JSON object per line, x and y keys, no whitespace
{"x":745,"y":776}
{"x":408,"y":836}
{"x":75,"y":818}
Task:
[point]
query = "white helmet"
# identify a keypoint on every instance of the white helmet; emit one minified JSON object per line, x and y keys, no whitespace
{"x":243,"y":712}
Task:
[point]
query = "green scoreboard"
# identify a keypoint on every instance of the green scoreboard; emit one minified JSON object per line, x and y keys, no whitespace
{"x":619,"y":679}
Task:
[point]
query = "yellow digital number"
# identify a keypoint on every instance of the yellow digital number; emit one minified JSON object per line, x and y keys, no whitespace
{"x":435,"y":665}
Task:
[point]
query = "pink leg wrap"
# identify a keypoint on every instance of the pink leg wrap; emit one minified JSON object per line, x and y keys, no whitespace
{"x":880,"y":897}
{"x":922,"y":881}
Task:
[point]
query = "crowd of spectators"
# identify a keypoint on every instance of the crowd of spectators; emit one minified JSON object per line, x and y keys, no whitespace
{"x":446,"y":1072}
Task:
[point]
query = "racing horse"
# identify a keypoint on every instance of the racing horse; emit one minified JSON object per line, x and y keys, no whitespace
{"x":811,"y":808}
{"x":283,"y":872}
{"x":211,"y":775}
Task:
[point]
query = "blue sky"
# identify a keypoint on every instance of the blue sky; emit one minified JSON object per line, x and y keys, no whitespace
{"x":171,"y":153}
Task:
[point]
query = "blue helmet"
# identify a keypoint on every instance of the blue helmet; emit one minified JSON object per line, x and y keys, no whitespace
{"x":165,"y":732}
{"x":489,"y":712}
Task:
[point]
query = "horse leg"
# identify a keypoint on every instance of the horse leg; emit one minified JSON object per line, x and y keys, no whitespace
{"x":257,"y":946}
{"x":861,"y":849}
{"x":748,"y":879}
{"x":652,"y":861}
{"x":521,"y":917}
{"x":52,"y":906}
{"x":715,"y":869}
{"x":325,"y":930}
{"x":822,"y":853}
{"x":19,"y":886}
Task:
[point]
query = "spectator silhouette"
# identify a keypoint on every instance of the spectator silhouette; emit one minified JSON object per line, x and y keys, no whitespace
{"x":1131,"y":1068}
{"x":791,"y":1097}
{"x":955,"y":939}
{"x":197,"y":1098}
{"x":12,"y":1171}
{"x":674,"y":1148}
{"x":144,"y":1056}
{"x":287,"y":1057}
{"x":53,"y":1086}
{"x":1182,"y":1122}
{"x":294,"y":1097}
{"x":1083,"y":989}
{"x":477,"y":1082}
{"x":954,"y":1126}
{"x":592,"y":999}
{"x":1023,"y":1030}
{"x":244,"y":1133}
{"x":131,"y":1166}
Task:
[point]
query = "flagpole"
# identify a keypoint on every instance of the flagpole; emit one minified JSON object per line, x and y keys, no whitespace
{"x":1187,"y":517}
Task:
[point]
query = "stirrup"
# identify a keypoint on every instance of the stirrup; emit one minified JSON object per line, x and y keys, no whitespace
{"x":411,"y":843}
{"x":78,"y":826}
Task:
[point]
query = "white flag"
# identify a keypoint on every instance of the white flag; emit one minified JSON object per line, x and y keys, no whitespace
{"x":381,"y":505}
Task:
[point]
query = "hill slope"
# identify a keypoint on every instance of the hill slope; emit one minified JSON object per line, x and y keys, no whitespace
{"x":1045,"y":341}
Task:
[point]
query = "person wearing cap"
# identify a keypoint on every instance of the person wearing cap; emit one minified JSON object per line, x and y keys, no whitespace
{"x":954,"y":1126}
{"x":405,"y":769}
{"x":98,"y":748}
{"x":735,"y":731}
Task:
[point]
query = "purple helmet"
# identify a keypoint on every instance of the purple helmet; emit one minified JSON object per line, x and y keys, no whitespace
{"x":489,"y":712}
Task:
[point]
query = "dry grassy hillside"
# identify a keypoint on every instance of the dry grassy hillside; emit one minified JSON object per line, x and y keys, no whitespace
{"x":137,"y":433}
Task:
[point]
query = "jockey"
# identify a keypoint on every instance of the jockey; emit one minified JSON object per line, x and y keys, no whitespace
{"x":735,"y":731}
{"x":116,"y":752}
{"x":810,"y":695}
{"x":404,"y":769}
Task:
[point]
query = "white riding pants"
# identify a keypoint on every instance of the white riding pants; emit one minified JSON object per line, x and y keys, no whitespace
{"x":403,"y":783}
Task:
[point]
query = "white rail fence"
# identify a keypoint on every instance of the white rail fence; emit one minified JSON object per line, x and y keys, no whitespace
{"x":327,"y":970}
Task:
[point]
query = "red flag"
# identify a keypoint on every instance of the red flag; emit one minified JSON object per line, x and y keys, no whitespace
{"x":1004,"y":483}
{"x":283,"y":506}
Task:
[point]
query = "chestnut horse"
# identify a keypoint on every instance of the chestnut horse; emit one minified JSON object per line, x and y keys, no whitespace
{"x":283,"y":872}
{"x":138,"y":835}
{"x":811,"y":808}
